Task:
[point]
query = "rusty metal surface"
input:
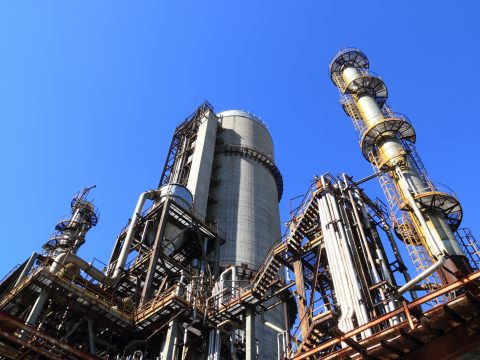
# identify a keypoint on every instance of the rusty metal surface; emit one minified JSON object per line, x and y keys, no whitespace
{"x":461,"y":314}
{"x":10,"y":321}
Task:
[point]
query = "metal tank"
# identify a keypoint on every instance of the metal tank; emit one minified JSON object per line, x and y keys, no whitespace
{"x":245,"y":190}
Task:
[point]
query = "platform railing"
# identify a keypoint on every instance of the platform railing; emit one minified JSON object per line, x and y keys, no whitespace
{"x":405,"y":312}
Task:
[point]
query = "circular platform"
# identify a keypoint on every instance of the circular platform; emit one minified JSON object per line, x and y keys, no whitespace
{"x":438,"y":200}
{"x":369,"y":84}
{"x":398,"y":127}
{"x":348,"y":57}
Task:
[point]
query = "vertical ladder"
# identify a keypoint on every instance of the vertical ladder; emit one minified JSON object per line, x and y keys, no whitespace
{"x":403,"y":222}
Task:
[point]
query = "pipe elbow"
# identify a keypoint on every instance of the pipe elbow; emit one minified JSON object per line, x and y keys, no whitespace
{"x":151,"y":194}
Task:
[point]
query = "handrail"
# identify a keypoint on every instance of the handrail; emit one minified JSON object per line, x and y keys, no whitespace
{"x":395,"y":313}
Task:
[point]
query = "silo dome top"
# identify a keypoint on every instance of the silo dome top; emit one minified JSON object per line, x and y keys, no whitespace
{"x":244,"y":113}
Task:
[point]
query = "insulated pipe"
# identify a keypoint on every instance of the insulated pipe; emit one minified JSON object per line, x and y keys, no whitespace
{"x":363,"y":237}
{"x":331,"y":257}
{"x":233,"y":271}
{"x":423,"y":275}
{"x":122,"y":259}
{"x":346,"y":257}
{"x":337,"y":255}
{"x":367,"y":248}
{"x":379,"y":251}
{"x":37,"y":307}
{"x":338,"y":276}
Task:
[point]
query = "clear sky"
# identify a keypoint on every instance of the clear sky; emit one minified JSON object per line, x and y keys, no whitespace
{"x":90,"y":93}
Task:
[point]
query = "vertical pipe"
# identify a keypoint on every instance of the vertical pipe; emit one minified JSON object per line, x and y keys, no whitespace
{"x":348,"y":267}
{"x":91,"y":336}
{"x":373,"y":265}
{"x":250,"y":343}
{"x":338,"y":276}
{"x":170,"y":341}
{"x":37,"y":307}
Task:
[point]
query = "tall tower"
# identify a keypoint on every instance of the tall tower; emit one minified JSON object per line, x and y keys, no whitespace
{"x":246,"y":189}
{"x":227,"y":162}
{"x":424,"y":216}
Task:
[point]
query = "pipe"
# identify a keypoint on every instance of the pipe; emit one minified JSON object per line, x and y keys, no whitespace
{"x":342,"y":287}
{"x":6,"y":318}
{"x":423,"y":275}
{"x":65,"y":257}
{"x":390,"y":305}
{"x":281,"y":336}
{"x":88,"y":268}
{"x":233,"y":353}
{"x":26,"y":269}
{"x":363,"y":237}
{"x":91,"y":336}
{"x":250,"y":342}
{"x":270,"y":325}
{"x":152,"y":265}
{"x":338,"y":277}
{"x":122,"y":259}
{"x":347,"y":260}
{"x":38,"y":306}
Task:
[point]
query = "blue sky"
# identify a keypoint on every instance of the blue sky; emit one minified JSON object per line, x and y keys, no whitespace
{"x":90,"y":93}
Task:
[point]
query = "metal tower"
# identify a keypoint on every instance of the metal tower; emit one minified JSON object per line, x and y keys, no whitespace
{"x":425,"y":217}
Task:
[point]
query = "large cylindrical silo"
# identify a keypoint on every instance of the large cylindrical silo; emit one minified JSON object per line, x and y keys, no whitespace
{"x":244,"y":201}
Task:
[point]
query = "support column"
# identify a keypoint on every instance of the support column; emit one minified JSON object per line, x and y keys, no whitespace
{"x":301,"y":297}
{"x":91,"y":336}
{"x":171,"y":341}
{"x":38,"y":307}
{"x":250,"y":340}
{"x":146,"y":294}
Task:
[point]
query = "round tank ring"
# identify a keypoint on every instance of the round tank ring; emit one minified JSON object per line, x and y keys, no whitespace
{"x":260,"y":157}
{"x":447,"y":203}
{"x":370,"y":84}
{"x":397,"y":127}
{"x":348,"y":57}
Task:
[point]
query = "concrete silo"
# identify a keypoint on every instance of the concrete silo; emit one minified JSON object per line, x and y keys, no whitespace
{"x":245,"y":190}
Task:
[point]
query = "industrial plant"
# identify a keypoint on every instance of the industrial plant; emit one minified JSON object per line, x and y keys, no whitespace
{"x":203,"y":269}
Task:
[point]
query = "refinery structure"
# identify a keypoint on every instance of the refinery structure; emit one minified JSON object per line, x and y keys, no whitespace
{"x":203,"y":271}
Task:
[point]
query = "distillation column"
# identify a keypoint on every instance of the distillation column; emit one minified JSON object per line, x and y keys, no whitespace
{"x":383,"y":139}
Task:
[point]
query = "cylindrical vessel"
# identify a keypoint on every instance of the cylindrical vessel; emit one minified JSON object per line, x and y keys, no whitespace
{"x":244,"y":203}
{"x":349,"y":73}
